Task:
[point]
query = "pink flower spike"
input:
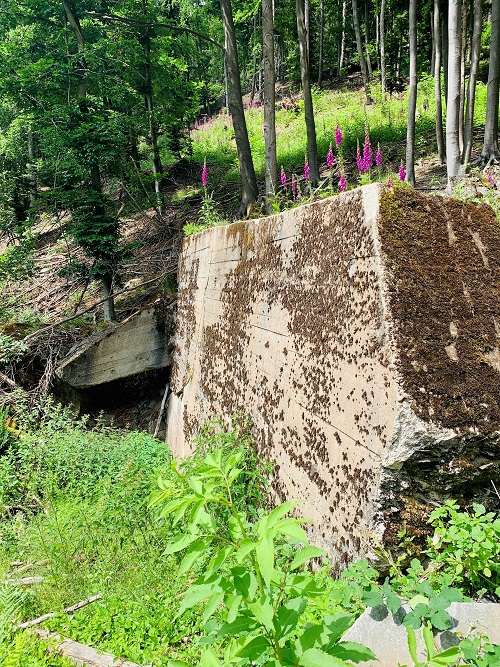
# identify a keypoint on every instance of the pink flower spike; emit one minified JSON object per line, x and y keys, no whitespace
{"x":402,"y":172}
{"x":342,"y":183}
{"x":330,"y":158}
{"x":307,"y":170}
{"x":283,"y":177}
{"x":293,"y":185}
{"x":378,"y":156}
{"x":389,"y":182}
{"x":367,"y":151}
{"x":491,"y":180}
{"x":338,"y":135}
{"x":359,"y":161}
{"x":204,"y":174}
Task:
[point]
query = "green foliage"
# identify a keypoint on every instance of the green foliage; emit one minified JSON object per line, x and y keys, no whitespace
{"x":208,"y":217}
{"x":466,"y":547}
{"x":250,"y":578}
{"x":11,"y":350}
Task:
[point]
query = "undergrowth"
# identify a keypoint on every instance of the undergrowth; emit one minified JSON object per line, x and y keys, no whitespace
{"x":204,"y":572}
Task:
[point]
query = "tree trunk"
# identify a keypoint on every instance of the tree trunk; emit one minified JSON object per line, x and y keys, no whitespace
{"x":306,"y":23}
{"x":342,"y":39}
{"x":412,"y":102}
{"x":321,"y":39}
{"x":490,"y":152}
{"x":437,"y":83}
{"x":367,"y":41}
{"x":153,"y":134}
{"x":312,"y":151}
{"x":254,"y":59}
{"x":377,"y":40}
{"x":445,"y":49}
{"x":269,"y":96}
{"x":32,"y":178}
{"x":250,"y":191}
{"x":382,"y":48}
{"x":359,"y":45}
{"x":463,"y":45}
{"x":471,"y":90}
{"x":453,"y":102}
{"x":433,"y":48}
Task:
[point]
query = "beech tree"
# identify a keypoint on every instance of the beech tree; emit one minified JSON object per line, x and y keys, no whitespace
{"x":269,"y":96}
{"x":412,"y":102}
{"x":471,"y":89}
{"x":490,"y":152}
{"x":438,"y":98}
{"x":359,"y":45}
{"x":453,"y":156}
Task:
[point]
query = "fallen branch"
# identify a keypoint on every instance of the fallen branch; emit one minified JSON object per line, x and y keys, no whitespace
{"x":25,"y":581}
{"x":162,"y":408}
{"x":6,"y":380}
{"x":81,"y":654}
{"x":51,"y":614}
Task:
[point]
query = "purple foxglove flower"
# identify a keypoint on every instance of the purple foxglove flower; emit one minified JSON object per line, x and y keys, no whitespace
{"x":491,"y":180}
{"x":204,"y":174}
{"x":367,"y":152}
{"x":378,"y":156}
{"x":402,"y":172}
{"x":307,"y":170}
{"x":283,"y":177}
{"x":293,"y":186}
{"x":329,"y":157}
{"x":342,"y":183}
{"x":338,"y":135}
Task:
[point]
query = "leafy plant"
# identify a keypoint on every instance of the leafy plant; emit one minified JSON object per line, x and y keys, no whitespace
{"x":466,"y":547}
{"x":251,"y":582}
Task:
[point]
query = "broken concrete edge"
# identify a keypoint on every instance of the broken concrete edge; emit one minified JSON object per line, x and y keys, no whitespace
{"x":385,"y":634}
{"x":81,"y":654}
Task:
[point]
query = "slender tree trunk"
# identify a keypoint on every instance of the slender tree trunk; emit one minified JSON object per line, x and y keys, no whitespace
{"x":377,"y":39}
{"x":471,"y":90}
{"x":445,"y":49}
{"x":95,"y":174}
{"x":437,"y":83}
{"x":359,"y":45}
{"x":433,"y":47}
{"x":367,"y":41}
{"x":254,"y":59}
{"x":250,"y":190}
{"x":312,"y":151}
{"x":32,"y":178}
{"x":306,"y":23}
{"x":269,"y":96}
{"x":321,"y":39}
{"x":412,"y":102}
{"x":463,"y":45}
{"x":490,"y":152}
{"x":382,"y":48}
{"x":453,"y":102}
{"x":153,"y":133}
{"x":342,"y":39}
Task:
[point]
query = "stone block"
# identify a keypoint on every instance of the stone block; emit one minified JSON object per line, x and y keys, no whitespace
{"x":361,"y":335}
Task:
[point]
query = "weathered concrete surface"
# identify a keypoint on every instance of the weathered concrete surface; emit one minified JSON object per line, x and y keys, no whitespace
{"x":361,"y":334}
{"x":384,"y":633}
{"x":140,"y":344}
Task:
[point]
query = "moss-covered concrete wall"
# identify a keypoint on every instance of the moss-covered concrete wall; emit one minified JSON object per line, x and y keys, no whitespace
{"x":361,"y":336}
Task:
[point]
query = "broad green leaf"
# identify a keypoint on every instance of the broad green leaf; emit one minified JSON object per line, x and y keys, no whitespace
{"x":255,"y":648}
{"x":211,"y":607}
{"x":304,"y":584}
{"x":428,"y":640}
{"x":448,"y":657}
{"x":287,"y":616}
{"x":418,"y":599}
{"x":194,"y":551}
{"x":337,"y":625}
{"x":308,"y":638}
{"x":209,"y":658}
{"x":315,"y":657}
{"x":263,"y":612}
{"x":352,"y":651}
{"x":279,"y":512}
{"x":304,"y":555}
{"x":246,"y":546}
{"x":242,"y":624}
{"x":373,"y":597}
{"x":180,"y":542}
{"x":233,"y":605}
{"x":177,"y":663}
{"x":292,"y":528}
{"x":412,"y":645}
{"x":219,"y":558}
{"x":264,"y":552}
{"x":196,"y":594}
{"x":234,"y":526}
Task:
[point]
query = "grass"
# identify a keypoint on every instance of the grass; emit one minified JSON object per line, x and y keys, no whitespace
{"x":387,"y":121}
